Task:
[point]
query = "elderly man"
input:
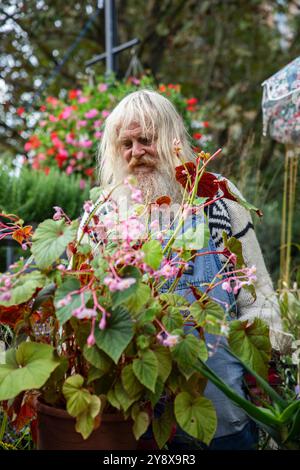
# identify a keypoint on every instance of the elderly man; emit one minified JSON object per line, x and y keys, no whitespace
{"x":138,"y":140}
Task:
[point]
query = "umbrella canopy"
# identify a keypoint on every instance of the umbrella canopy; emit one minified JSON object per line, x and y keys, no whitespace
{"x":281,"y":104}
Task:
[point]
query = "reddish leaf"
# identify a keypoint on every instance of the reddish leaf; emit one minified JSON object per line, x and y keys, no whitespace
{"x":163,"y":200}
{"x":33,"y":430}
{"x":208,"y":185}
{"x":11,"y":315}
{"x":181,"y":174}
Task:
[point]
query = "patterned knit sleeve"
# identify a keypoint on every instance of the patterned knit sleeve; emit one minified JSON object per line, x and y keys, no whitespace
{"x":265,"y":306}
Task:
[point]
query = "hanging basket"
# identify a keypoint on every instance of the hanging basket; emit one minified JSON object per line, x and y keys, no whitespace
{"x":281,"y":104}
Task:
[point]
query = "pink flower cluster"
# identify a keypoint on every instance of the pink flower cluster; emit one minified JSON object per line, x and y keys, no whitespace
{"x":243,"y":277}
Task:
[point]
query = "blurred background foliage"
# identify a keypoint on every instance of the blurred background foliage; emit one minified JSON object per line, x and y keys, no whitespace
{"x":218,"y":51}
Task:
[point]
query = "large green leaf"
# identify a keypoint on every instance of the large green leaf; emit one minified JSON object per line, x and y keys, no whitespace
{"x":122,"y":396}
{"x":69,"y":285}
{"x":122,"y":296}
{"x":24,"y":287}
{"x":141,"y":423}
{"x":97,"y":358}
{"x":85,"y":421}
{"x":153,"y":253}
{"x":209,"y":315}
{"x":196,"y":416}
{"x":78,"y":398}
{"x":162,"y":426}
{"x":146,"y":369}
{"x":139,"y":298}
{"x":173,"y":319}
{"x":175,"y":300}
{"x":156,"y":396}
{"x":50,"y":240}
{"x":250,"y":342}
{"x":187,"y":353}
{"x":164,"y":358}
{"x":130,"y":382}
{"x":26,"y":368}
{"x":117,"y":334}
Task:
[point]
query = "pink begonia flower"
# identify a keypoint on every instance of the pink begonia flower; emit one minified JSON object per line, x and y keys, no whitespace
{"x":171,"y":340}
{"x":7,"y":282}
{"x":52,"y":118}
{"x":58,"y":213}
{"x":41,"y":156}
{"x":136,"y":196}
{"x":118,"y":284}
{"x":108,"y":221}
{"x":61,"y":267}
{"x":233,"y":258}
{"x":42,"y":123}
{"x":226,"y":286}
{"x":97,"y":124}
{"x":159,"y":236}
{"x":250,"y":272}
{"x":102,"y":87}
{"x":84,"y":312}
{"x":82,"y":184}
{"x":237,"y":287}
{"x":98,"y":135}
{"x":83,"y":99}
{"x":168,"y":271}
{"x":85,"y":143}
{"x":105,"y":113}
{"x":131,"y":229}
{"x":91,"y":339}
{"x":87,"y":206}
{"x":69,"y":170}
{"x":81,"y":123}
{"x":5,"y":297}
{"x":154,"y":225}
{"x":91,"y":113}
{"x":187,"y":211}
{"x":102,"y":324}
{"x":65,"y":301}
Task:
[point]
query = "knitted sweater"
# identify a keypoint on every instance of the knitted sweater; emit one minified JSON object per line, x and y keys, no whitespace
{"x":236,"y":221}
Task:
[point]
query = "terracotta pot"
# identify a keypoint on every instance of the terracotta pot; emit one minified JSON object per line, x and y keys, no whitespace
{"x":56,"y":431}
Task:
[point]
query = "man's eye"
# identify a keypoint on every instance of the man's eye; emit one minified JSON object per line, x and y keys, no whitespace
{"x":145,"y":141}
{"x":127,"y":144}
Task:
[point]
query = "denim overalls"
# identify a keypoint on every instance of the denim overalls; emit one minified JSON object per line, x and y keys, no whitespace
{"x":231,"y":419}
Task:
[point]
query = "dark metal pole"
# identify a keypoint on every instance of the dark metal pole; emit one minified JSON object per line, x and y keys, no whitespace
{"x":109,"y":36}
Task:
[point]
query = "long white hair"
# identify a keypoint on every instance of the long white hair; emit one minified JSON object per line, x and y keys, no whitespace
{"x":157,"y":117}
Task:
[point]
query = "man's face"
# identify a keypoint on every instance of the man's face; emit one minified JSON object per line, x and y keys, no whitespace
{"x":139,"y":152}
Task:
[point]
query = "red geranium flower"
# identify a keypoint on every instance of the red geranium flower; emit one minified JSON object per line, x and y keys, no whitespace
{"x":192,"y":101}
{"x":20,"y":111}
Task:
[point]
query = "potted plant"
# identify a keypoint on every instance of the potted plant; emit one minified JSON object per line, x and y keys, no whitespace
{"x":101,"y":333}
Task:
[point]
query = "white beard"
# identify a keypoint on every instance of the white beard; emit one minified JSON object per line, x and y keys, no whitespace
{"x":153,"y":184}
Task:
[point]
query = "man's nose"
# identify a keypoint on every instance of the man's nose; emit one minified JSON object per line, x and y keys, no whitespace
{"x":137,"y":150}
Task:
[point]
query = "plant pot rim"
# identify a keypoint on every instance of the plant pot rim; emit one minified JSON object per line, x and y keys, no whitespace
{"x":63,"y":414}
